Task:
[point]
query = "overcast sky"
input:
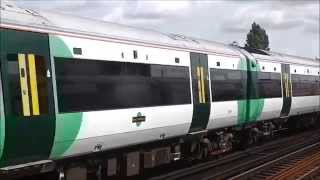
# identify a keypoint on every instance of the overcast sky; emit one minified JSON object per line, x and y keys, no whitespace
{"x":292,"y":26}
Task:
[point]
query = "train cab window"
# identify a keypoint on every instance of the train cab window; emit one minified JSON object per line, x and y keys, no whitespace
{"x":89,"y":85}
{"x":27,"y":84}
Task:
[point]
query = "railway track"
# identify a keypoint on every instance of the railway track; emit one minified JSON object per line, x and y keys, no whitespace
{"x":301,"y":164}
{"x":241,"y":165}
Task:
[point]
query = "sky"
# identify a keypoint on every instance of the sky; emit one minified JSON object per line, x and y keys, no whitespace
{"x":293,"y":26}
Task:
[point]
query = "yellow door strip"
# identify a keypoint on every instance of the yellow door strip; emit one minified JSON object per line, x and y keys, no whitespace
{"x":199,"y":85}
{"x":24,"y":84}
{"x":285,"y":84}
{"x":290,"y":84}
{"x":33,"y":84}
{"x":202,"y":86}
{"x":287,"y":81}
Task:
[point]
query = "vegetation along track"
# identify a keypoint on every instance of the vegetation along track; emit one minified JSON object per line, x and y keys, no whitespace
{"x":241,"y":162}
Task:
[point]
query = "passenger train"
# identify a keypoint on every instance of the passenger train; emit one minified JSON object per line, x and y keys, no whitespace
{"x":77,"y":91}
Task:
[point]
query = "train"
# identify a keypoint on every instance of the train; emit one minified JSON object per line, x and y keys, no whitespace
{"x":78,"y":93}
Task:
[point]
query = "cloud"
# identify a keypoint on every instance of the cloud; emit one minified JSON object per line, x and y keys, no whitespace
{"x":146,"y":12}
{"x":273,"y":16}
{"x":313,"y":28}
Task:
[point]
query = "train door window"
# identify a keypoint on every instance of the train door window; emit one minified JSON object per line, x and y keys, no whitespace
{"x":27,"y":84}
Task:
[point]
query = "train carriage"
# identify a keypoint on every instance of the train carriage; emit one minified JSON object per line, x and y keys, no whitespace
{"x":73,"y":87}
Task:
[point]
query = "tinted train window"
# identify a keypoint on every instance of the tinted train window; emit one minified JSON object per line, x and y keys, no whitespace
{"x":305,"y":85}
{"x":86,"y":85}
{"x":268,"y":85}
{"x":228,"y":85}
{"x":14,"y":85}
{"x":232,"y":85}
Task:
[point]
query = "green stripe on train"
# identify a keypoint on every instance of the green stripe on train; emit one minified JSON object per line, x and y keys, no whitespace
{"x":67,"y":129}
{"x":2,"y":119}
{"x":250,"y":109}
{"x":2,"y":123}
{"x":67,"y":125}
{"x":2,"y":135}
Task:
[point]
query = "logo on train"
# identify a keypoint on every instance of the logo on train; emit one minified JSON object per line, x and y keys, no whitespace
{"x":139,"y":119}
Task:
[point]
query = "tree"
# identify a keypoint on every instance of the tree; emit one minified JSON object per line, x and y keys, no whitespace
{"x":257,"y":38}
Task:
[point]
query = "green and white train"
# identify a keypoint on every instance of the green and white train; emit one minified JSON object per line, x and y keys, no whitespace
{"x":75,"y":90}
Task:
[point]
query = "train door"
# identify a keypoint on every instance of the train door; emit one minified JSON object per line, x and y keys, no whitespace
{"x":200,"y":89}
{"x":28,"y":96}
{"x":286,"y":90}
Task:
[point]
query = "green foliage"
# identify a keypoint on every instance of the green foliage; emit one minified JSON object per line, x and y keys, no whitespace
{"x":257,"y":38}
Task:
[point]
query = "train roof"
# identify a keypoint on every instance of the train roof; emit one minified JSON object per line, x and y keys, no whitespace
{"x":284,"y":58}
{"x":12,"y":14}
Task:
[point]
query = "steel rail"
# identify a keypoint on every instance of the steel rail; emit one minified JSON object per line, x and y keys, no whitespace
{"x":240,"y":162}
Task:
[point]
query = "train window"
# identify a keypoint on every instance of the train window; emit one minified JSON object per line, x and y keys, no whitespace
{"x":231,"y":85}
{"x":135,"y":54}
{"x":15,"y":92}
{"x":228,"y":85}
{"x":268,"y":85}
{"x":77,"y":51}
{"x":305,"y":85}
{"x":88,"y":85}
{"x":176,"y":60}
